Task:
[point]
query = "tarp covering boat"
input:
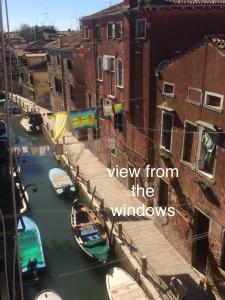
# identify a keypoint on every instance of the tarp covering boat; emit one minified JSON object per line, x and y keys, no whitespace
{"x":30,"y":245}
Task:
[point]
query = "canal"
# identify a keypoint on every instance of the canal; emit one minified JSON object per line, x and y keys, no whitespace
{"x":70,"y":273}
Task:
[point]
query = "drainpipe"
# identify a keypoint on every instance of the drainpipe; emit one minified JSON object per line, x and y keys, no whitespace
{"x":63,"y":73}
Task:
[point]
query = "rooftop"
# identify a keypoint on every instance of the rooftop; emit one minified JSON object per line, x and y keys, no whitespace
{"x":195,"y":2}
{"x":70,"y":42}
{"x":110,"y":10}
{"x":38,"y":46}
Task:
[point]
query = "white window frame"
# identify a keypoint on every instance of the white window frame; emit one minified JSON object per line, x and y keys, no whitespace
{"x":86,"y":28}
{"x":137,"y":21}
{"x":117,"y":73}
{"x":171,"y":95}
{"x":161,"y":133}
{"x":203,"y":173}
{"x":119,"y":23}
{"x":218,"y":109}
{"x":192,"y":166}
{"x":99,"y":79}
{"x":193,"y":101}
{"x":113,"y":34}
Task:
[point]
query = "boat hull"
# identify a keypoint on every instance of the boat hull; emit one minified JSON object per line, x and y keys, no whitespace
{"x":62,"y":183}
{"x":48,"y":294}
{"x":120,"y":285}
{"x":32,"y":258}
{"x":89,"y":234}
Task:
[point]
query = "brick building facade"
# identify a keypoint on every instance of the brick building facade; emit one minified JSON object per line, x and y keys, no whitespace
{"x":65,"y":68}
{"x":190,"y":137}
{"x":141,"y":35}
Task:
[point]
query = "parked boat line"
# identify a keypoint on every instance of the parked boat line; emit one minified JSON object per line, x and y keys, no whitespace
{"x":88,"y":232}
{"x":121,"y":286}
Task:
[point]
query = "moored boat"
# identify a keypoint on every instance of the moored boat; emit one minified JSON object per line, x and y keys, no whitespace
{"x":47,"y":295}
{"x":25,"y":124}
{"x":120,"y":285}
{"x":89,"y":233}
{"x":61,"y":182}
{"x":32,"y":122}
{"x":30,"y":248}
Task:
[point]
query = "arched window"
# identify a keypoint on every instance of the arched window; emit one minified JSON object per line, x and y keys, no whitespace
{"x":99,"y":68}
{"x":120,"y":73}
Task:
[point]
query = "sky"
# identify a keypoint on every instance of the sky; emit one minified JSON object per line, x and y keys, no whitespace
{"x":63,"y":14}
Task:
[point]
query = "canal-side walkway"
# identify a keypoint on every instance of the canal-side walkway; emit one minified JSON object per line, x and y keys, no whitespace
{"x":147,"y":239}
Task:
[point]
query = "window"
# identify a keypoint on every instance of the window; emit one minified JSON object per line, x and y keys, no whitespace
{"x":120,"y":73}
{"x":166,"y":130}
{"x":206,"y":151}
{"x":99,"y":68}
{"x":190,"y":143}
{"x":72,"y":92}
{"x":214,"y":101}
{"x":58,"y":60}
{"x":163,"y":193}
{"x":168,"y":89}
{"x":111,"y":30}
{"x":98,"y":32}
{"x":69,"y":64}
{"x":86,"y":32}
{"x":112,"y":63}
{"x":141,"y":28}
{"x":58,"y":85}
{"x":118,"y":30}
{"x":194,"y":96}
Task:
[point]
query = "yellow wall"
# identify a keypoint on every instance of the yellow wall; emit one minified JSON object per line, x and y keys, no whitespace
{"x":41,"y":87}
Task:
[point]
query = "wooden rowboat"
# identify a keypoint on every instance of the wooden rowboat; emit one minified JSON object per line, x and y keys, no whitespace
{"x":121,"y":286}
{"x":61,"y":182}
{"x":89,"y":234}
{"x":48,"y":295}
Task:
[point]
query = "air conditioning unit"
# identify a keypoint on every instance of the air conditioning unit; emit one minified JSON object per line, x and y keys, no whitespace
{"x":106,"y":63}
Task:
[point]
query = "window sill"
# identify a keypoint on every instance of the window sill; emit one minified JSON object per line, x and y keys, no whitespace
{"x":168,"y":95}
{"x":140,"y":38}
{"x":207,"y":176}
{"x":193,"y":102}
{"x":120,"y":87}
{"x":187,"y":164}
{"x":219,"y":110}
{"x":164,"y":149}
{"x":99,"y":80}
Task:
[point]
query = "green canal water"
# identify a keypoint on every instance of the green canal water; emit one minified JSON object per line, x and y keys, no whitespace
{"x":70,"y":272}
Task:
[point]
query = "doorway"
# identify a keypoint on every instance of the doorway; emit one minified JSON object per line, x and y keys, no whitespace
{"x":201,"y":243}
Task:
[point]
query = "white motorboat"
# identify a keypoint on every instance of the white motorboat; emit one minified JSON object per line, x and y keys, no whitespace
{"x":121,"y":286}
